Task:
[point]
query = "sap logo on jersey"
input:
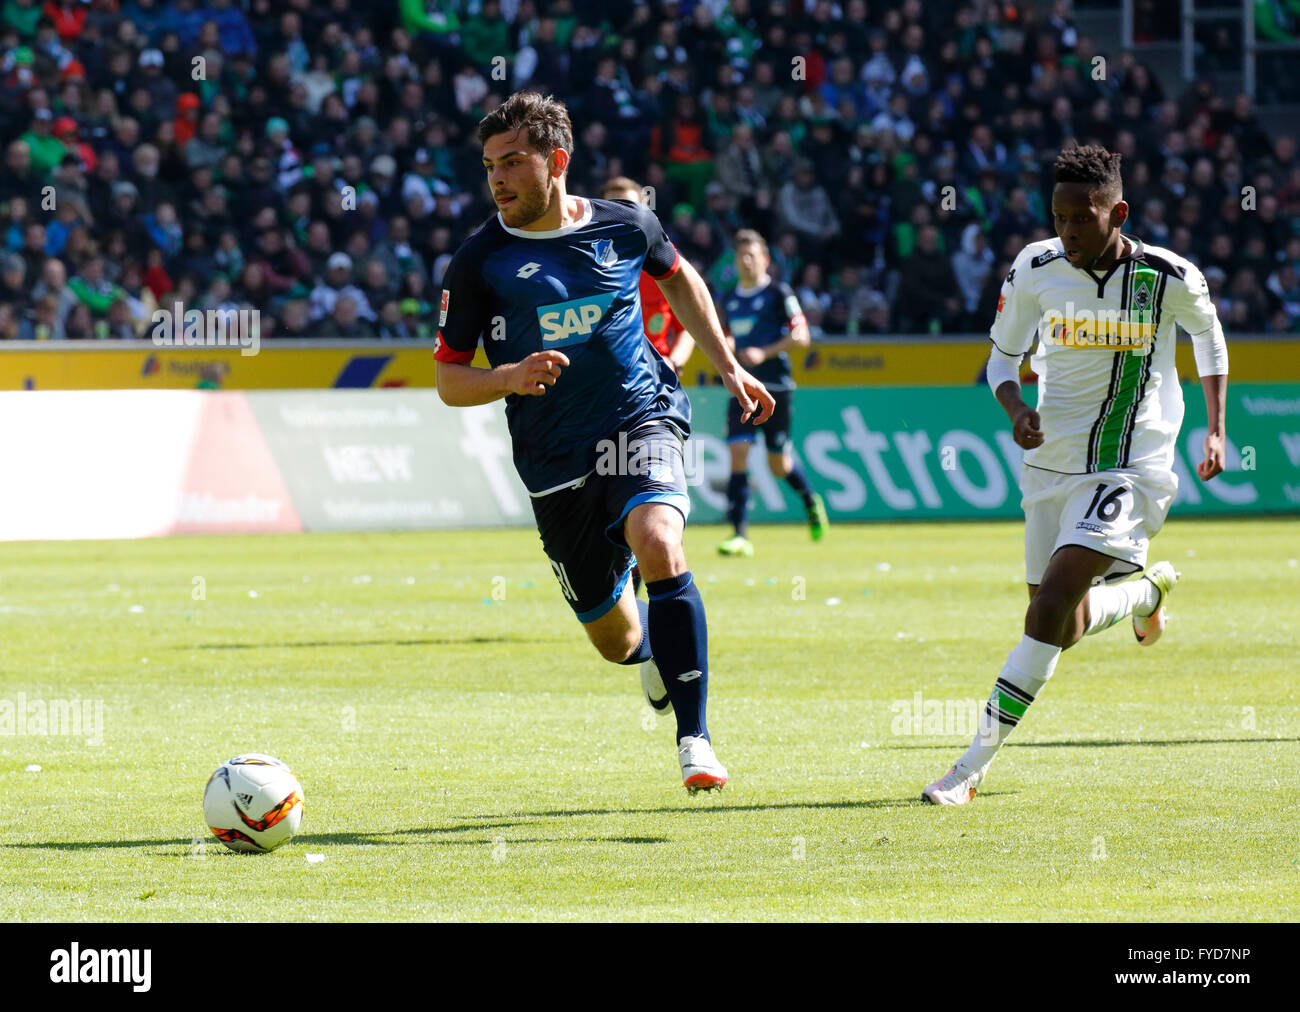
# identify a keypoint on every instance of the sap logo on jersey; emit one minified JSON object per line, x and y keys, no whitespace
{"x":742,"y":326}
{"x":571,"y":322}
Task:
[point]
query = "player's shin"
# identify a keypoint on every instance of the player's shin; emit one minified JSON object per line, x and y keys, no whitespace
{"x":1108,"y":606}
{"x":798,"y":481}
{"x":679,"y":641}
{"x":738,"y":501}
{"x":1027,"y":669}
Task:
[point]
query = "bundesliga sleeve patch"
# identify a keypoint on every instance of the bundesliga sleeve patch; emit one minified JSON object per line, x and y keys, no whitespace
{"x":442,"y":353}
{"x":442,"y":309}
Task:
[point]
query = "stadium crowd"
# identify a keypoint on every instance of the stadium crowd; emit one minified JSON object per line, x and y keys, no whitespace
{"x":315,"y":159}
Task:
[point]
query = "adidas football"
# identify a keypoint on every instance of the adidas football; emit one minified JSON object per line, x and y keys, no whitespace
{"x":253,"y":803}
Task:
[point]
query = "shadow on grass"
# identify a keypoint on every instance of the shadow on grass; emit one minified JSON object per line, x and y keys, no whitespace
{"x":478,"y":824}
{"x":720,"y":808}
{"x":301,"y":838}
{"x":441,"y":641}
{"x":369,"y":839}
{"x":211,"y":847}
{"x":1114,"y":744}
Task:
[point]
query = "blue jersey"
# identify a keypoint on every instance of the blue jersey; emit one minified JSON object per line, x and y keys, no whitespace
{"x":758,"y":317}
{"x":575,"y":289}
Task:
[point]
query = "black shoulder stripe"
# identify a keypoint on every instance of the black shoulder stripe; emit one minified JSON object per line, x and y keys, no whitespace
{"x":1046,"y":258}
{"x":1161,"y":264}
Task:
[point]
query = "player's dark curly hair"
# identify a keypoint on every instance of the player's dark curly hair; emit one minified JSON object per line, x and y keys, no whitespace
{"x":545,"y":117}
{"x":1091,"y":164}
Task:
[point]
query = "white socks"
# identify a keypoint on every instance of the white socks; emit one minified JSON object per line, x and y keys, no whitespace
{"x":1028,"y":667}
{"x":1108,"y":605}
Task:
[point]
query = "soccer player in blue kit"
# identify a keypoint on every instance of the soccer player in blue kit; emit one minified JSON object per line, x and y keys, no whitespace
{"x":763,"y":320}
{"x":551,"y":285}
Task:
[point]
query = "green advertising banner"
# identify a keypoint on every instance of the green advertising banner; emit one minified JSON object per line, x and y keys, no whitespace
{"x":880,"y":453}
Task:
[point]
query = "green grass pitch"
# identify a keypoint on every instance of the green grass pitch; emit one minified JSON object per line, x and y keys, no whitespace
{"x":466,"y":755}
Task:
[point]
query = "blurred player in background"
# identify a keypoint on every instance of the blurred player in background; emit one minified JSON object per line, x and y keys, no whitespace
{"x":1099,"y":451}
{"x":763,"y":320}
{"x":551,"y":285}
{"x":661,"y":328}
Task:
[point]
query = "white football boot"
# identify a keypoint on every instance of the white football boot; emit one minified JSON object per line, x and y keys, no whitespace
{"x":701,"y":770}
{"x":956,"y":787}
{"x":652,"y":684}
{"x":1148,"y":628}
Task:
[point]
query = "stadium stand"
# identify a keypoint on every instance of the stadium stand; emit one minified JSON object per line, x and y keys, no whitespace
{"x":315,"y":160}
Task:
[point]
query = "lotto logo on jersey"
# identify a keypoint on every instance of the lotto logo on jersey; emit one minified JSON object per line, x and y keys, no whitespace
{"x":1113,"y":331}
{"x":572,"y":322}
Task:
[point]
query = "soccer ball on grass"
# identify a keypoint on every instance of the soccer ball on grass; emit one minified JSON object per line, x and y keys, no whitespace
{"x":253,"y":803}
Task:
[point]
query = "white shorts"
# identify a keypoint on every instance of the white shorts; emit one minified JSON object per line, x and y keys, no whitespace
{"x":1115,"y":513}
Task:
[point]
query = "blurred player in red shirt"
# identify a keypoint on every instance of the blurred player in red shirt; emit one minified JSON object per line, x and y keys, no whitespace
{"x":661,"y":327}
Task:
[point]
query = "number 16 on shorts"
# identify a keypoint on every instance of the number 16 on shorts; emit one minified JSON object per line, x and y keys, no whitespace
{"x":1107,"y":504}
{"x":1108,"y":519}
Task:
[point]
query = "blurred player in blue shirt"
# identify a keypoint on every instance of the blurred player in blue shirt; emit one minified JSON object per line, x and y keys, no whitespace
{"x":763,"y":320}
{"x":597,"y":418}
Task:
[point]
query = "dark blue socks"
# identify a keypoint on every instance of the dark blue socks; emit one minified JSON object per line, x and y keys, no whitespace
{"x":799,"y":482}
{"x":679,"y":641}
{"x":738,"y":501}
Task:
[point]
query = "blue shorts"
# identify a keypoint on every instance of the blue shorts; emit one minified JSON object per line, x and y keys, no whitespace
{"x":776,"y":430}
{"x":582,"y":526}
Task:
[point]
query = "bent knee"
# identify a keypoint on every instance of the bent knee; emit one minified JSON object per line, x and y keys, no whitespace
{"x":661,"y":559}
{"x":1052,"y":605}
{"x":616,"y":647}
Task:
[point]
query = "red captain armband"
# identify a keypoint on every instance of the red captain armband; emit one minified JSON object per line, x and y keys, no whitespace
{"x":798,"y":320}
{"x":671,"y":270}
{"x":442,"y":352}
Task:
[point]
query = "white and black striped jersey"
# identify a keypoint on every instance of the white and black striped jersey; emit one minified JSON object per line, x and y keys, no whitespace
{"x":1108,"y":392}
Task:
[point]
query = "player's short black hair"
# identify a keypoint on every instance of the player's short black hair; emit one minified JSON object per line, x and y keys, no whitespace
{"x":1094,"y":165}
{"x":545,"y":118}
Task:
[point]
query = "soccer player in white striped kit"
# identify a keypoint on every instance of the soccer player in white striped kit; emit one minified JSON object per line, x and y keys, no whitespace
{"x":1098,"y":473}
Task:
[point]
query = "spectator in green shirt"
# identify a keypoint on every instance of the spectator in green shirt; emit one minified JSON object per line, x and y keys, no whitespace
{"x":22,"y":16}
{"x":93,"y":290}
{"x":429,"y":16}
{"x":486,"y":36}
{"x":47,"y":150}
{"x":433,"y":23}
